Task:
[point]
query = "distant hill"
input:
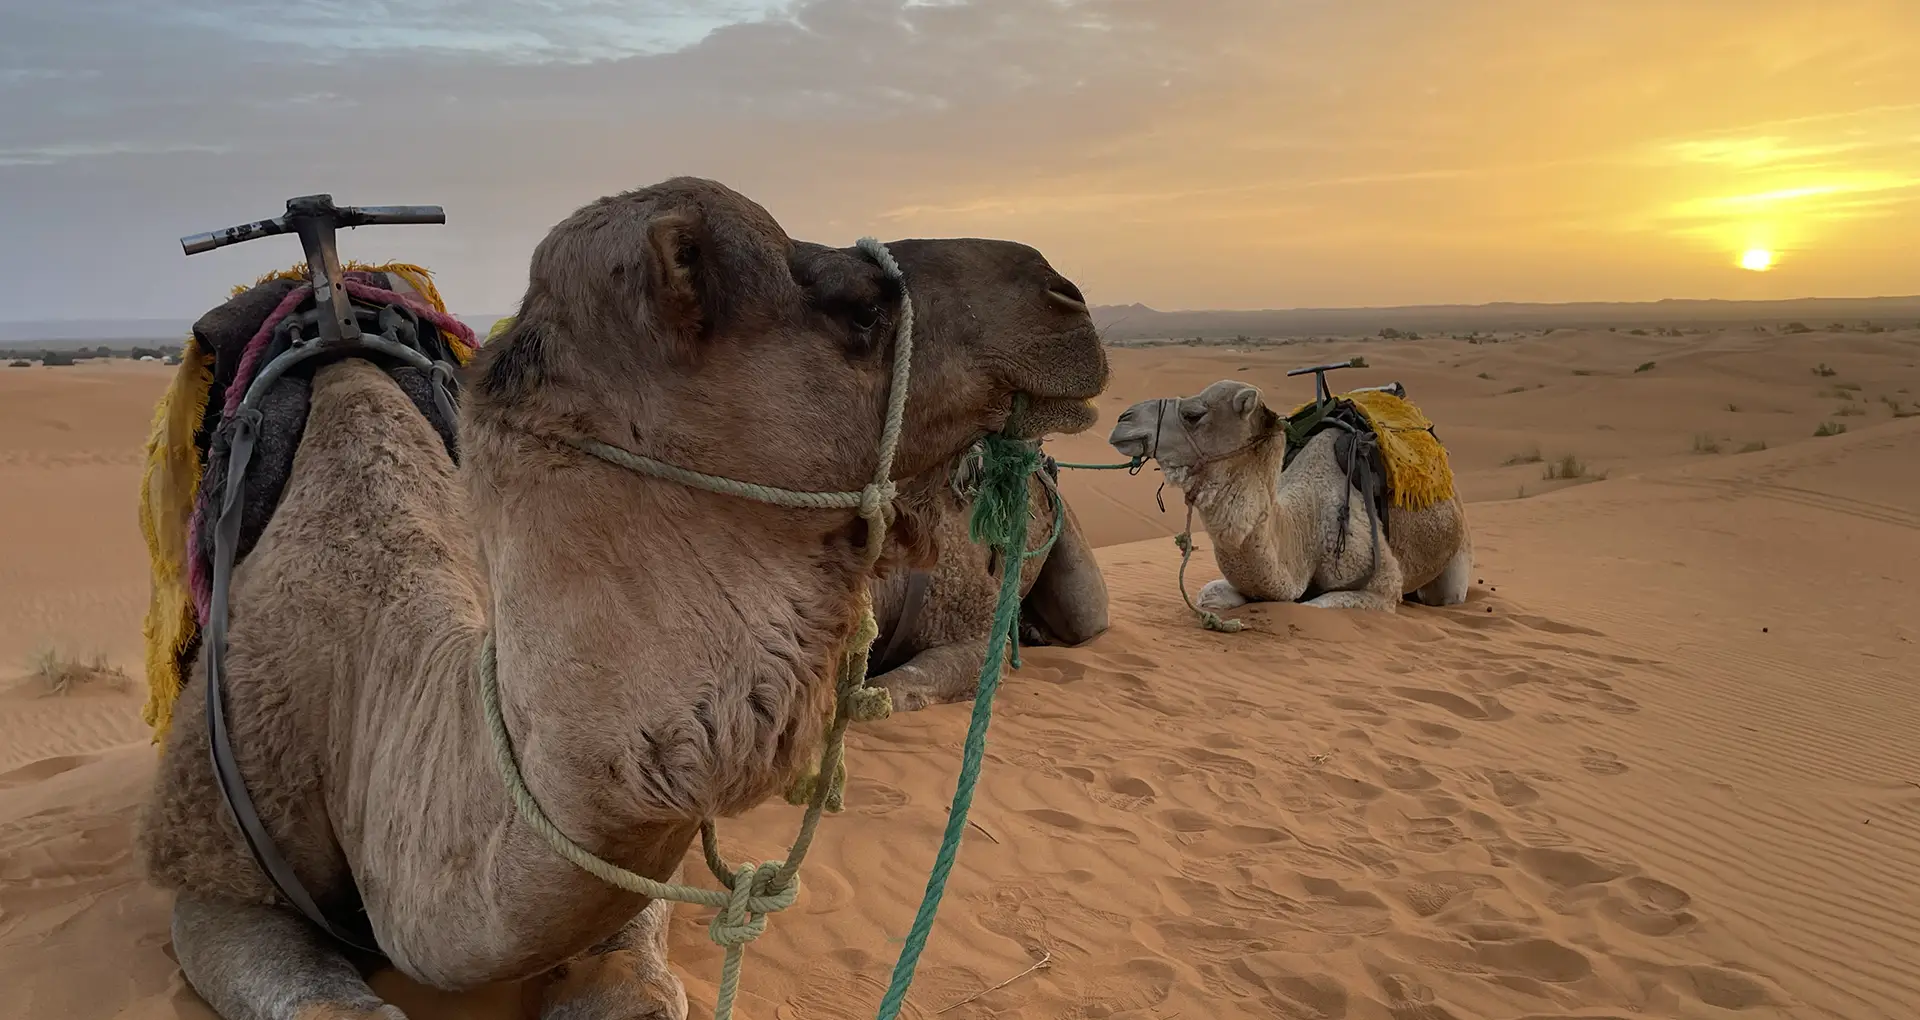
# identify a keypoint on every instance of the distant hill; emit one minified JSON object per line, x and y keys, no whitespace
{"x":67,"y":334}
{"x":1139,"y":322}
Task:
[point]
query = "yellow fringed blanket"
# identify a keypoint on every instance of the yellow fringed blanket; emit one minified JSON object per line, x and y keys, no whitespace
{"x":1418,"y":472}
{"x":171,"y":483}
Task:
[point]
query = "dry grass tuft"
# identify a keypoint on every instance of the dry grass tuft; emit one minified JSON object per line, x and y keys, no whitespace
{"x":1568,"y":468}
{"x":1527,"y":457}
{"x":1704,"y":443}
{"x":63,"y":675}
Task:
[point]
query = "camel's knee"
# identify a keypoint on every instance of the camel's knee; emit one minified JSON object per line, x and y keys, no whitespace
{"x":251,"y":962}
{"x":627,"y":978}
{"x":1219,"y":596}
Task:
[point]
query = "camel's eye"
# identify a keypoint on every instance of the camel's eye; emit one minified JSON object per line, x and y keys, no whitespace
{"x":866,"y":317}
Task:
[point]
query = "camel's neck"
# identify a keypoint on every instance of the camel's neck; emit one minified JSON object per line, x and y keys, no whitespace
{"x":1254,"y":521}
{"x":679,"y":642}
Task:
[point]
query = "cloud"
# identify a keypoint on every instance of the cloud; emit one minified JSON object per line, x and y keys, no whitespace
{"x":1179,"y":152}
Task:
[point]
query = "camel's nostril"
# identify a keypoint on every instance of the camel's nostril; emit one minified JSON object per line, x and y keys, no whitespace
{"x":1066,"y":294}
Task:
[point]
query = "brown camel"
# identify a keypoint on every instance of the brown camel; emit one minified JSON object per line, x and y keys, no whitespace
{"x":929,"y":653}
{"x":665,"y":654}
{"x":1278,"y":534}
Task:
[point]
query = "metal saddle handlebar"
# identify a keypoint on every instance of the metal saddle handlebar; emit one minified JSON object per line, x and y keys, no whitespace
{"x":315,"y":219}
{"x":317,"y":209}
{"x":1321,"y":392}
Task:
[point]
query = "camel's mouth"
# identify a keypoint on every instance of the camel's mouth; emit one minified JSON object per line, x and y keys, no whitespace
{"x":1057,"y":416}
{"x":1130,"y":442}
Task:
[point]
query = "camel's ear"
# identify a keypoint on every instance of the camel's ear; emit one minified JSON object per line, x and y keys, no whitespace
{"x":678,"y":268}
{"x":1246,"y":401}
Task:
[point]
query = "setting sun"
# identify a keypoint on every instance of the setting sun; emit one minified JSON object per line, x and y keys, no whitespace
{"x":1757,"y":259}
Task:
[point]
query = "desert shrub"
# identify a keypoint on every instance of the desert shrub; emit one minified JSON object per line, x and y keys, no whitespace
{"x":1391,"y":334}
{"x":1583,"y":371}
{"x":1823,"y":371}
{"x":1754,"y":447}
{"x":61,"y":674}
{"x":1704,"y":443}
{"x":1830,"y":428}
{"x":1357,"y":361}
{"x":1525,"y":457}
{"x":56,"y":359}
{"x":1735,"y":408}
{"x":1645,"y":366}
{"x":1520,"y":389}
{"x":19,"y":363}
{"x":1568,"y":466}
{"x":1637,"y":332}
{"x":1836,"y":327}
{"x":1487,"y":377}
{"x":1796,"y":327}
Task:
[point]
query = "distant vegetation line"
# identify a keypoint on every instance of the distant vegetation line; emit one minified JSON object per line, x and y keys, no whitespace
{"x":1123,"y":323}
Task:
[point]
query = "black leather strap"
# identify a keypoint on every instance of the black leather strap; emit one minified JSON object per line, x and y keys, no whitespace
{"x":233,"y":788}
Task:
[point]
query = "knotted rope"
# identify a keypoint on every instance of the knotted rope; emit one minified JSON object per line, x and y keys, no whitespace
{"x":750,"y":892}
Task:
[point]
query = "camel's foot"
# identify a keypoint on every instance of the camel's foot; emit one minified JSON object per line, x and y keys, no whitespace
{"x":1219,"y":596}
{"x":1355,"y":600}
{"x":263,"y":963}
{"x":625,"y":984}
{"x":937,"y":676}
{"x":623,"y":978}
{"x":1450,"y":588}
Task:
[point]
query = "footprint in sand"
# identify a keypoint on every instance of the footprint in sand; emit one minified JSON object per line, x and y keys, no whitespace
{"x":1406,"y":774}
{"x":1432,"y":732}
{"x":1511,"y":790}
{"x":1431,"y":835}
{"x":1727,"y":989}
{"x":1601,"y":763}
{"x":873,"y":797}
{"x":1649,"y":906}
{"x":1567,"y":869}
{"x":1484,"y":709}
{"x":1371,"y":713}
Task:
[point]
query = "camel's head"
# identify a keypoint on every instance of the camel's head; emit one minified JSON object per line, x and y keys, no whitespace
{"x":1184,"y":433}
{"x":679,"y":321}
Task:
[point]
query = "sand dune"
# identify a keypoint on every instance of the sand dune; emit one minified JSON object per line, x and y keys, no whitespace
{"x":1664,"y":763}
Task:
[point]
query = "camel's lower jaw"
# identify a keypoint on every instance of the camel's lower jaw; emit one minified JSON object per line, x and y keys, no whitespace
{"x":1049,"y":416}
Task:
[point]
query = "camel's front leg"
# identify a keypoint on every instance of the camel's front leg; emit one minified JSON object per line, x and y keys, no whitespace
{"x":1220,"y":596}
{"x":936,"y":676}
{"x":265,"y":963}
{"x":1354,"y":600}
{"x":624,"y":978}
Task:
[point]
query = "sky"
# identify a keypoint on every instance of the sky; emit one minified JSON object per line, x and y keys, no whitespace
{"x":1179,"y":153}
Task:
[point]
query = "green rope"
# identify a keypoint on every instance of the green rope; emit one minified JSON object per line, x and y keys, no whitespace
{"x":753,"y":892}
{"x":1000,"y":517}
{"x":1131,"y":465}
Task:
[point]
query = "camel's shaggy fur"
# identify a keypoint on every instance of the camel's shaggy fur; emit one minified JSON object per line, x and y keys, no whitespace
{"x":1063,"y":601}
{"x":1276,"y":533}
{"x":665,"y":655}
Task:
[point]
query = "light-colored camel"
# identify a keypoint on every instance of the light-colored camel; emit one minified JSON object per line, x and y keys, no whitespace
{"x":1277,"y":535}
{"x":936,"y":657}
{"x":664,"y":654}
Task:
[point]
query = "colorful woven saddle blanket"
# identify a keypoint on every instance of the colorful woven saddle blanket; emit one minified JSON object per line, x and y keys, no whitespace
{"x":186,"y":454}
{"x":1389,"y":429}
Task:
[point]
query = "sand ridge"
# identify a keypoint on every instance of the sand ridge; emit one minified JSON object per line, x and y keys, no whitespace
{"x":1665,"y":762}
